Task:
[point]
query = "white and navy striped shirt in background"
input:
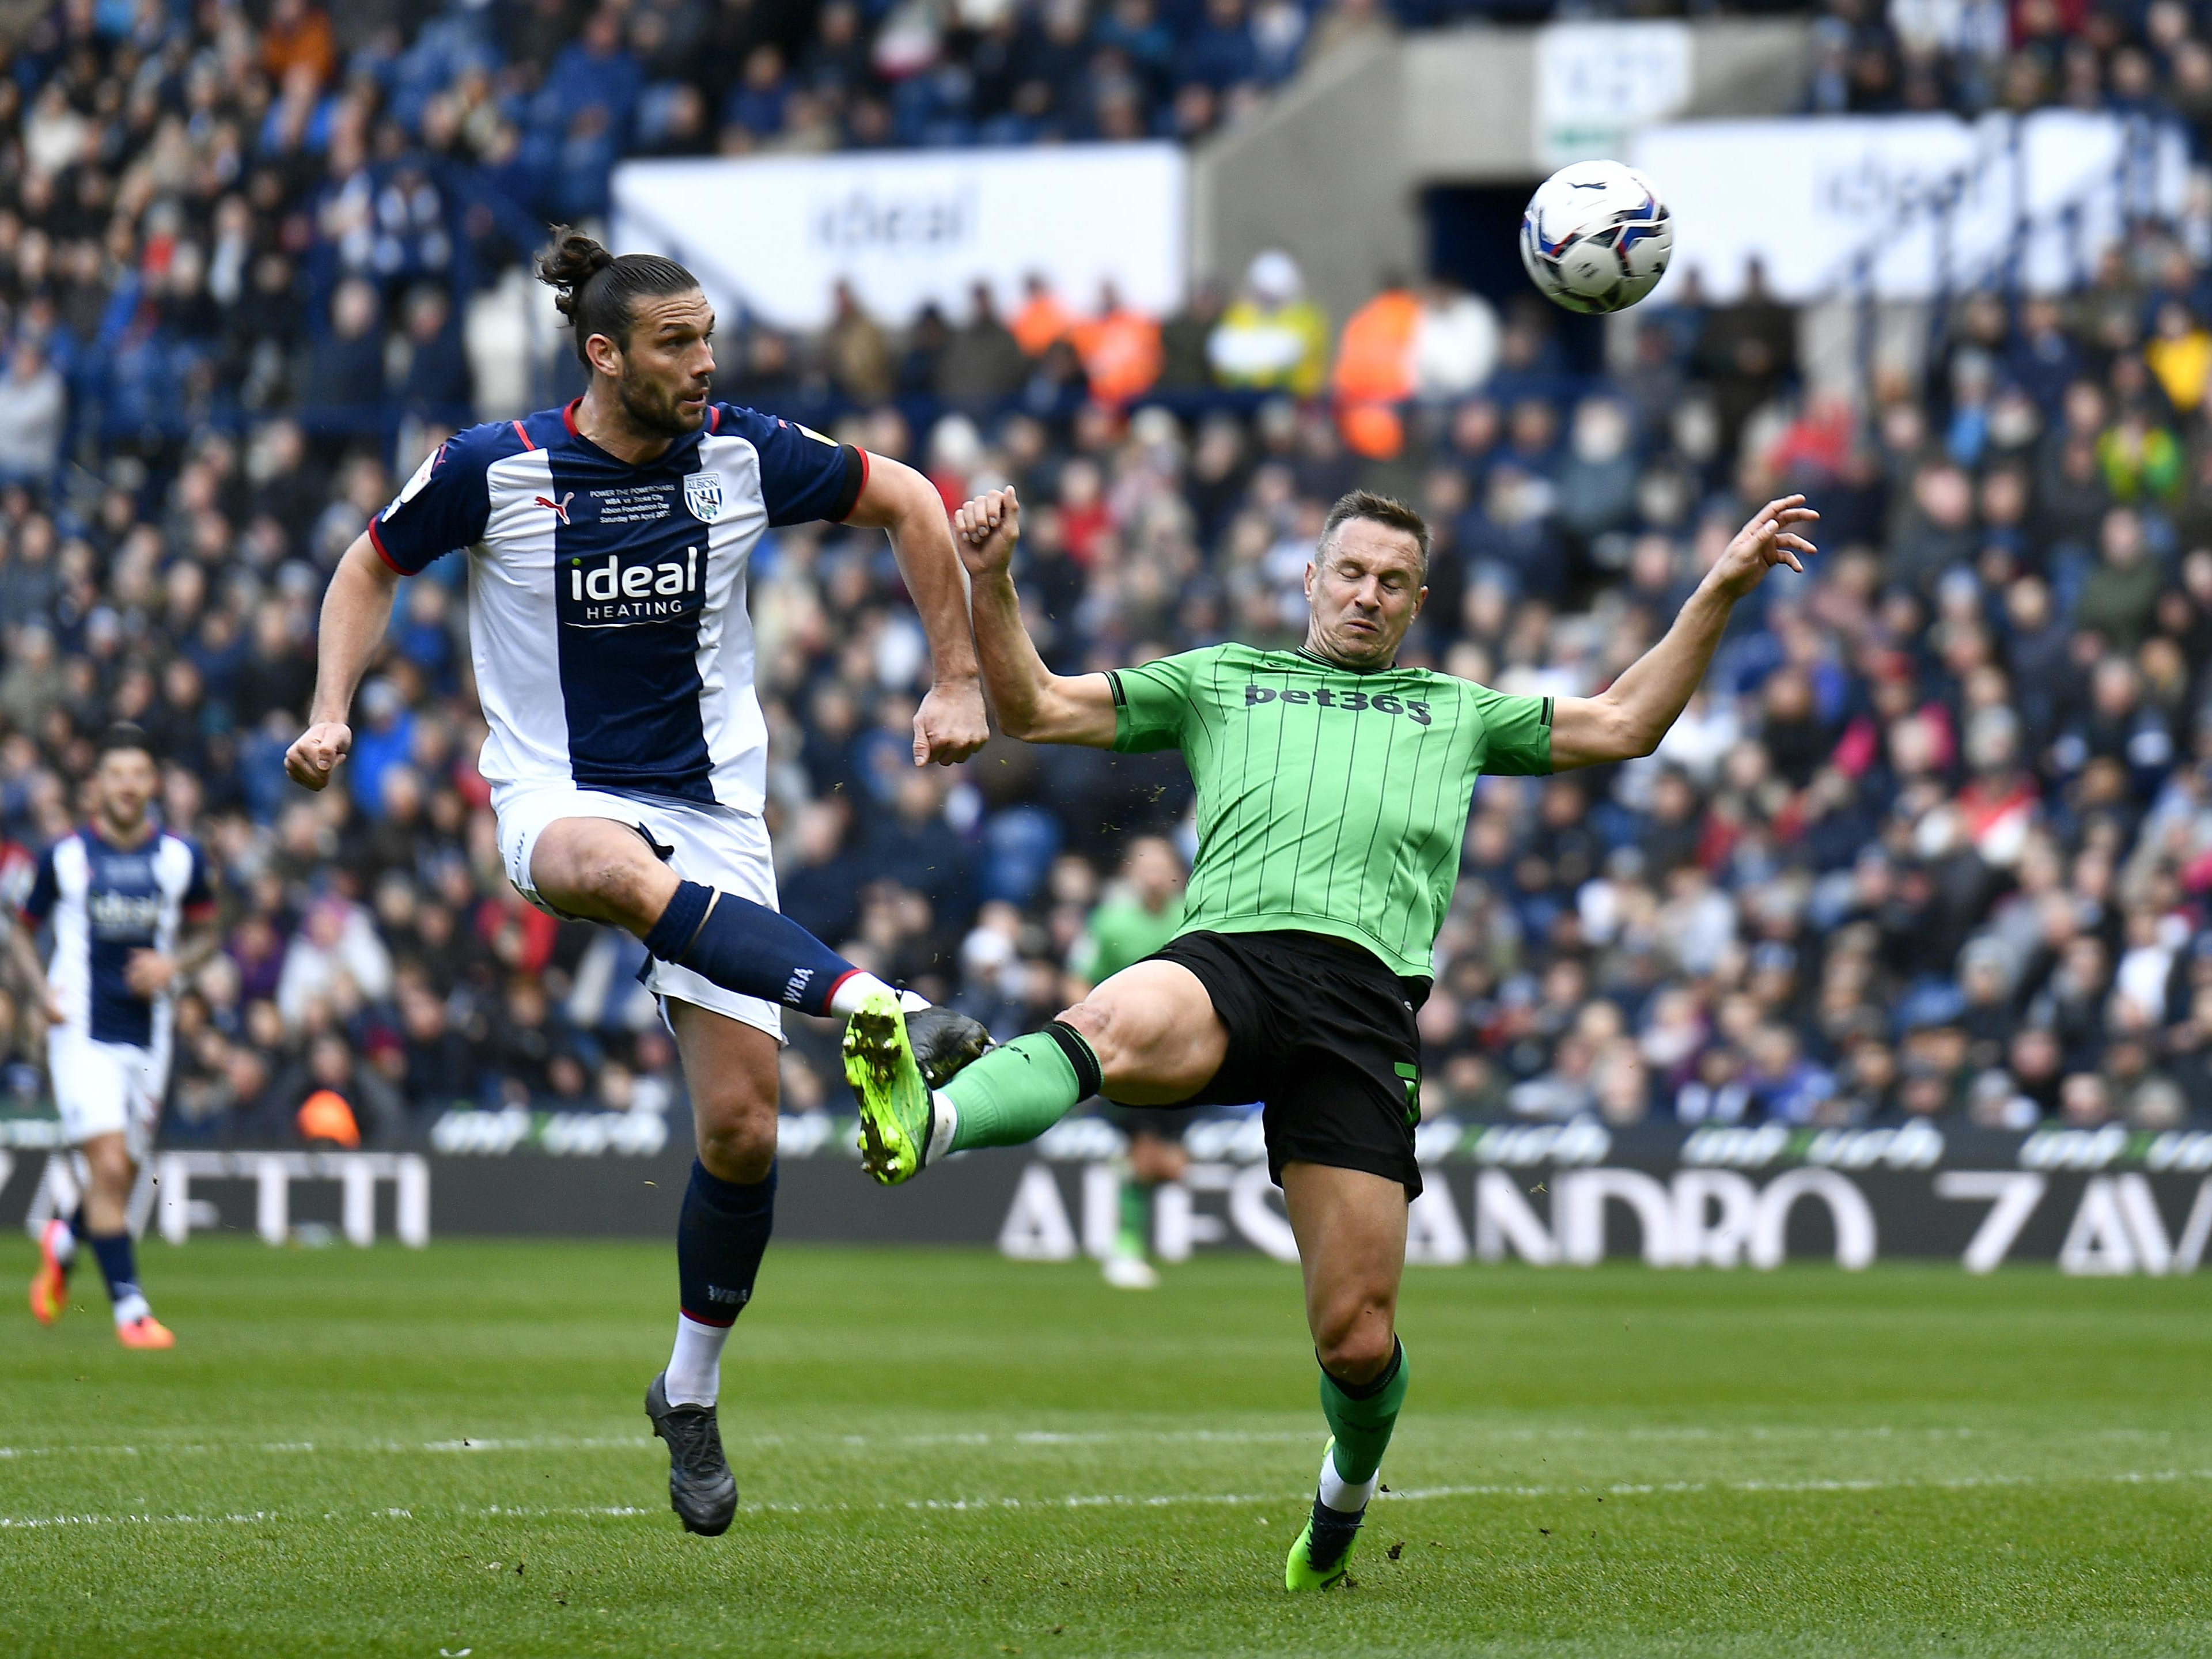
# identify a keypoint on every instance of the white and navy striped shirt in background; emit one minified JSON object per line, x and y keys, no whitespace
{"x":106,"y":902}
{"x":607,"y":601}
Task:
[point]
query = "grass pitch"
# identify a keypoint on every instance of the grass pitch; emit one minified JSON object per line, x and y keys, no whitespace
{"x":390,"y":1453}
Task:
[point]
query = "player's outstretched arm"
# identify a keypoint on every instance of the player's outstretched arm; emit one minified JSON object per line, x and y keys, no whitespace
{"x":30,"y":970}
{"x":355,"y":610}
{"x":950,"y":724}
{"x":1033,"y":703}
{"x":1632,"y":714}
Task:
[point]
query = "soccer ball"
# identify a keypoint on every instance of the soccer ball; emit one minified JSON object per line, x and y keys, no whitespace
{"x":1597,"y":236}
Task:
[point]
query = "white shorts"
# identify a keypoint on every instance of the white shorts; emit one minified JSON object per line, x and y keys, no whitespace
{"x":107,"y":1088}
{"x":715,"y":845}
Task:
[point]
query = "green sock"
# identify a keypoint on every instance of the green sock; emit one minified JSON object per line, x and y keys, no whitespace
{"x":1136,"y":1215}
{"x":1362,"y":1426}
{"x":1019,"y":1091}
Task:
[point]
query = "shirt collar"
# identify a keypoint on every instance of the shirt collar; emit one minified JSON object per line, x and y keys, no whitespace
{"x":1340,"y":667}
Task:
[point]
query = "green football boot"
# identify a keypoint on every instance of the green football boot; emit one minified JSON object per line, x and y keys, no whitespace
{"x":895,"y":1109}
{"x":1319,"y":1559}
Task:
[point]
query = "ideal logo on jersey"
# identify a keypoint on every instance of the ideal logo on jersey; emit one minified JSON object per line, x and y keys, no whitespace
{"x":620,"y":591}
{"x":1355,"y":702}
{"x":124,"y":915}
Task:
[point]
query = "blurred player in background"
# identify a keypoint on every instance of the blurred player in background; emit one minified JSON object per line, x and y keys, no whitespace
{"x":1332,"y":795}
{"x":1141,"y":915}
{"x":610,"y":542}
{"x":132,"y":918}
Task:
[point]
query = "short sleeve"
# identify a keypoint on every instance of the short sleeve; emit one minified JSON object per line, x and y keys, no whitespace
{"x":199,"y":893}
{"x":39,"y":903}
{"x":1518,"y":733}
{"x":445,"y":506}
{"x":1152,"y":703}
{"x":803,"y":475}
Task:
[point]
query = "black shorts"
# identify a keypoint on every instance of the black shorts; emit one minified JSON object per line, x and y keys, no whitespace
{"x":1322,"y":1034}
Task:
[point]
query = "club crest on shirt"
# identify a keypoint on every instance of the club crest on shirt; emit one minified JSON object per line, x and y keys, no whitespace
{"x":702,"y":495}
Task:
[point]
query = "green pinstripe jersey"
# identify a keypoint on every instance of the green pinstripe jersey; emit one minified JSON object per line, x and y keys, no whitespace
{"x":1329,"y":800}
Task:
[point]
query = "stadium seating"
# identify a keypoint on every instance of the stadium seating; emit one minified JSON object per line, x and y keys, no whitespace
{"x":1936,"y":842}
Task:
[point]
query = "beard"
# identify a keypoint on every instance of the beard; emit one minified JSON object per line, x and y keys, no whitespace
{"x":652,"y":407}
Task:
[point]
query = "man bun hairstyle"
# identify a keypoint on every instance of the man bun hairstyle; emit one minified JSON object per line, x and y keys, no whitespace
{"x":124,"y":734}
{"x":1380,"y":509}
{"x":598,"y":291}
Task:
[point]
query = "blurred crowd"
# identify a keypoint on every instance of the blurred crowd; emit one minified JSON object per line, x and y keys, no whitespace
{"x":2018,"y":55}
{"x":1935,"y":842}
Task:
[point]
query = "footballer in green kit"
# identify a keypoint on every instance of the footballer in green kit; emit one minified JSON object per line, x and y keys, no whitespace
{"x":1133,"y":923}
{"x":1332,"y":794}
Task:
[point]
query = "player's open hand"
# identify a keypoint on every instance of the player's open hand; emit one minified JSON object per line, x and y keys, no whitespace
{"x":986,"y":530}
{"x":1768,"y":540}
{"x":316,"y":753}
{"x":950,"y":724}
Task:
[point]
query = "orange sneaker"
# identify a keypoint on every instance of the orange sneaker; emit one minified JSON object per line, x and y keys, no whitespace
{"x":145,"y":1332}
{"x":50,"y":1285}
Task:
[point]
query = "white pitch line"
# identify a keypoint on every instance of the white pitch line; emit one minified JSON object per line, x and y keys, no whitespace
{"x":1024,"y":1438}
{"x":631,"y":1442}
{"x":1165,"y":1500}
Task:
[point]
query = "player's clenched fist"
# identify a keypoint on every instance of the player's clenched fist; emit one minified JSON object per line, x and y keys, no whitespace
{"x":316,"y":753}
{"x":950,"y":724}
{"x":987,"y":529}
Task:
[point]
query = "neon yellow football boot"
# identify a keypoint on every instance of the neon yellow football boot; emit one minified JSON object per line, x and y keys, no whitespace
{"x":894,"y":1095}
{"x":1319,"y":1559}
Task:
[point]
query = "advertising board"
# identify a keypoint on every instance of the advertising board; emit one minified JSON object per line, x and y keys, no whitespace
{"x":1924,"y":201}
{"x":775,"y":234}
{"x":2106,"y":1201}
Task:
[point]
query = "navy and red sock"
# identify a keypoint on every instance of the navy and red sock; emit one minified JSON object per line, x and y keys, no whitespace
{"x":721,"y":1237}
{"x":746,"y":947}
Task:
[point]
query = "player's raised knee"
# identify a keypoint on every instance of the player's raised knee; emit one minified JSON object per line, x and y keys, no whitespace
{"x":1097,"y":1021}
{"x":601,"y":869}
{"x":1121,"y":1036}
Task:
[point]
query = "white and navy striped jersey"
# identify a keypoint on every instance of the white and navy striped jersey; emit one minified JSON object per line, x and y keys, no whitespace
{"x":607,"y":601}
{"x":104,"y":902}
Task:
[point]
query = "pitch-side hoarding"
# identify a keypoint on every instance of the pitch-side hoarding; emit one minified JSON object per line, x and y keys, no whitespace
{"x":2103,"y":1201}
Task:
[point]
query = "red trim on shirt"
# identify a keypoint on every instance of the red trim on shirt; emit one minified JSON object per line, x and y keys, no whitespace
{"x":524,"y":436}
{"x":569,"y":416}
{"x":376,"y":541}
{"x":713,"y":417}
